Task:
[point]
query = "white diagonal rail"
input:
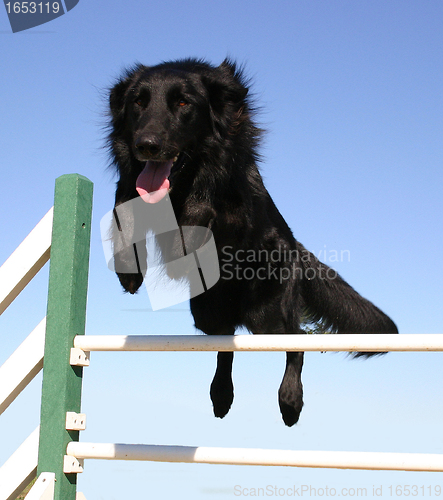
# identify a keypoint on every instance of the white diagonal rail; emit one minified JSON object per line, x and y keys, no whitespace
{"x":27,"y":260}
{"x":21,"y":467}
{"x":27,"y":361}
{"x":43,"y":488}
{"x":22,"y":366}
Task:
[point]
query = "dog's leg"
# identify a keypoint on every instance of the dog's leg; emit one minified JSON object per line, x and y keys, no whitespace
{"x":290,"y":394}
{"x":129,"y":242}
{"x":222,"y":388}
{"x":210,"y":318}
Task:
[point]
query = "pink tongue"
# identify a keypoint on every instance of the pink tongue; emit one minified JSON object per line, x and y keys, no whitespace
{"x":153,"y":183}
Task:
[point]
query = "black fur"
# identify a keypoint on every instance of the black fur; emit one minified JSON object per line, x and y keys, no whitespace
{"x":204,"y":113}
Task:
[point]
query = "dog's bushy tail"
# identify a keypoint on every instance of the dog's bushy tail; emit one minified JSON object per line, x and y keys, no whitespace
{"x":331,"y":301}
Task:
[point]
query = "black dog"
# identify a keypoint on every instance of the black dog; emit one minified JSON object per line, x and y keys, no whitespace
{"x":186,"y":128}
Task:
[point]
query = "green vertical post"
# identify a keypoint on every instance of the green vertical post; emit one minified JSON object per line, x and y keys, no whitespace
{"x":66,"y":317}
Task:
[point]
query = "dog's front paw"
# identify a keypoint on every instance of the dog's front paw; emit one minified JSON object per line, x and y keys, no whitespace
{"x":290,"y":401}
{"x":130,"y":282}
{"x":222,"y":395}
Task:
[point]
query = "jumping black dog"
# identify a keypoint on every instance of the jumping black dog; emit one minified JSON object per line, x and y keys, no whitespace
{"x":184,"y":131}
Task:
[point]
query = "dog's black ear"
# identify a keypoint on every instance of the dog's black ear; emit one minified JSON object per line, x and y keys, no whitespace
{"x":117,"y":97}
{"x":118,"y":93}
{"x":118,"y":146}
{"x":234,"y":75}
{"x":226,"y":87}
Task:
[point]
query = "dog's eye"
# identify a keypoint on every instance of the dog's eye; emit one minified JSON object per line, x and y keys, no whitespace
{"x":141,"y":101}
{"x":183,"y":102}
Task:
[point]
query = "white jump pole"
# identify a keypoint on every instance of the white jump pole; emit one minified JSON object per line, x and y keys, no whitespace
{"x":244,"y":456}
{"x":331,"y":342}
{"x":26,"y":261}
{"x":240,"y":456}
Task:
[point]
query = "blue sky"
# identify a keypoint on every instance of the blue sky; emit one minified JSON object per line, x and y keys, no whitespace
{"x":351,"y":98}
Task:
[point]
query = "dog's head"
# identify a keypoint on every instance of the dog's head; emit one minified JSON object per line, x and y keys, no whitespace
{"x":165,"y":115}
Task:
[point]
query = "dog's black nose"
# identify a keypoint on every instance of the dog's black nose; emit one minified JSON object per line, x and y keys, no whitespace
{"x":148,"y":146}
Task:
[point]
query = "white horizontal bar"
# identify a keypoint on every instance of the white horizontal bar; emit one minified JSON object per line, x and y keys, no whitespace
{"x":22,"y":366}
{"x":332,"y":342}
{"x":26,"y":261}
{"x":244,"y":456}
{"x":20,"y":469}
